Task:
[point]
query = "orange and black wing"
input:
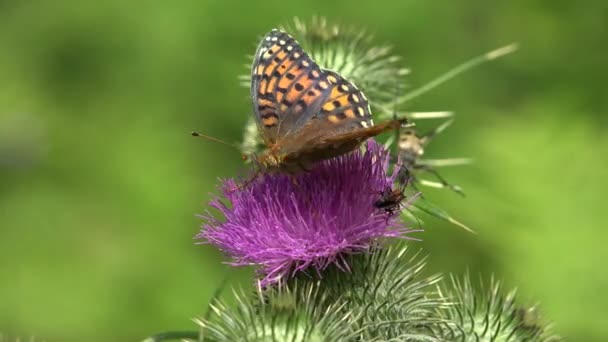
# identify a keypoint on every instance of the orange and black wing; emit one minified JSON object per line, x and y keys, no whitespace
{"x":346,"y":109}
{"x":287,"y":87}
{"x":302,"y":106}
{"x":343,"y":119}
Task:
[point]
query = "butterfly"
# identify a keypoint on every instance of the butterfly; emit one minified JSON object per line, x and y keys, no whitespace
{"x":305,"y":113}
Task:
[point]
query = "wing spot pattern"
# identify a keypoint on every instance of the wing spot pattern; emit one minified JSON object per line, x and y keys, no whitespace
{"x":288,"y":85}
{"x":259,"y":70}
{"x":333,"y":119}
{"x":270,"y":121}
{"x":360,"y":111}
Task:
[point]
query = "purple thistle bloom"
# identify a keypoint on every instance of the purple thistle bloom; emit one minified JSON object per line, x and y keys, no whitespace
{"x":283,"y":226}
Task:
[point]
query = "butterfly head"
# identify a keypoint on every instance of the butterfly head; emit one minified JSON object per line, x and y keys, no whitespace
{"x":273,"y":160}
{"x":269,"y":160}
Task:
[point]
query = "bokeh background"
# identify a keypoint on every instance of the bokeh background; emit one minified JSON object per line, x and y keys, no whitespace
{"x":100,"y":181}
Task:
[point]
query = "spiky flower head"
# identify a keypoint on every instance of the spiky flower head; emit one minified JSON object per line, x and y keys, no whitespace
{"x":284,"y":225}
{"x":274,"y":315}
{"x":383,"y":298}
{"x":486,"y":313}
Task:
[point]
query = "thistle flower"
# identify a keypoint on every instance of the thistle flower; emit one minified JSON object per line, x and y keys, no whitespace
{"x":383,"y":298}
{"x":274,"y":316}
{"x":489,"y":314}
{"x":284,"y":225}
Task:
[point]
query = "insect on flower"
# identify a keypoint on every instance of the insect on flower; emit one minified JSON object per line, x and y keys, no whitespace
{"x":305,"y":114}
{"x":284,"y":228}
{"x":391,"y":200}
{"x":411,"y":148}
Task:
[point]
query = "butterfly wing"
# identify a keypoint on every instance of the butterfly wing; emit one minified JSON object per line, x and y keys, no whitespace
{"x":346,"y":109}
{"x":343,"y":122}
{"x":328,"y":146}
{"x":287,"y":86}
{"x":304,"y":112}
{"x":343,"y":114}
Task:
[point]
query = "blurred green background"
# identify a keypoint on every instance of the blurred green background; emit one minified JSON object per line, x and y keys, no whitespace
{"x":100,"y":180}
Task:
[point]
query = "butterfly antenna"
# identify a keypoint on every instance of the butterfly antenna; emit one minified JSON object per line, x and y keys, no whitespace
{"x":203,"y":136}
{"x":248,"y":182}
{"x":200,"y":135}
{"x":466,"y":66}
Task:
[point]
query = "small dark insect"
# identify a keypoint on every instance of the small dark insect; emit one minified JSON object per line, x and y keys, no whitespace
{"x":411,"y":148}
{"x":391,"y":200}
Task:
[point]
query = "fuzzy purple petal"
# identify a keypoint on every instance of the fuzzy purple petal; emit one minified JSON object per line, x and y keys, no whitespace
{"x":284,"y":226}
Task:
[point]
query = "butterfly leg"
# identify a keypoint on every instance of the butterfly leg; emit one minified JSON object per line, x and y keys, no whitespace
{"x":443,"y":182}
{"x":303,"y":195}
{"x":295,"y":182}
{"x":248,"y":181}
